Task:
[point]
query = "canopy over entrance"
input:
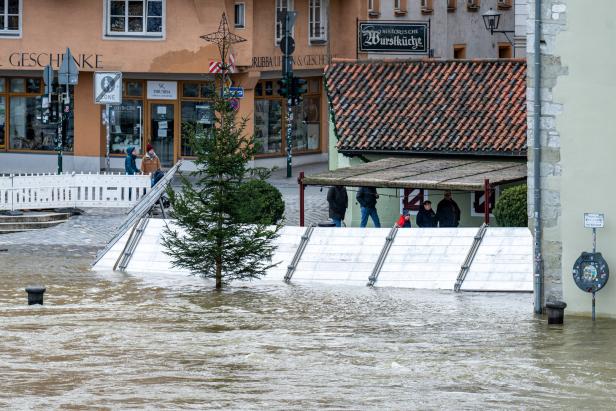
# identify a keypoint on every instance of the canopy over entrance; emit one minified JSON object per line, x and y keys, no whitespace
{"x":428,"y":173}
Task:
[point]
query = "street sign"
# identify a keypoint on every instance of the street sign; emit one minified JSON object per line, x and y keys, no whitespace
{"x":69,"y":72}
{"x":237,"y":92}
{"x":287,"y":45}
{"x":235,"y":104}
{"x":593,"y":220}
{"x":108,"y":88}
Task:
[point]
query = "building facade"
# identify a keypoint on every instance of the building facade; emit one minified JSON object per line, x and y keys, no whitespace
{"x":457,"y":29}
{"x":576,"y":136}
{"x":167,"y":85}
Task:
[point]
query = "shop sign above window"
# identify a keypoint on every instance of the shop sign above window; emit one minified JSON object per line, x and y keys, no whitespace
{"x":162,"y":90}
{"x":394,"y":37}
{"x":144,"y":18}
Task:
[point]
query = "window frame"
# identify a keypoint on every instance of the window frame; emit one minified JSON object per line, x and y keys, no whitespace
{"x":374,"y":8}
{"x":126,"y":35}
{"x":11,"y":34}
{"x":290,"y":6}
{"x":243,"y":15}
{"x":323,"y":20}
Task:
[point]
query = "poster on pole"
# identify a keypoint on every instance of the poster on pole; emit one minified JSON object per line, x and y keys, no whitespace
{"x":107,"y":87}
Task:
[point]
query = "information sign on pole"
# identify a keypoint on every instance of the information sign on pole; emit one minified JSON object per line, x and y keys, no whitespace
{"x":108,"y":88}
{"x":593,"y":220}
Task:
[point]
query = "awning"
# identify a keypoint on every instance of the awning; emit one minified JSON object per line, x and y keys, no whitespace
{"x":422,"y":172}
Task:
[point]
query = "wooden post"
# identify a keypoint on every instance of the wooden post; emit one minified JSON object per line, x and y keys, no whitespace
{"x":300,"y":181}
{"x":486,"y":209}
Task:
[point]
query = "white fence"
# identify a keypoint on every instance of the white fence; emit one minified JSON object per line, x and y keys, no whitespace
{"x":37,"y":191}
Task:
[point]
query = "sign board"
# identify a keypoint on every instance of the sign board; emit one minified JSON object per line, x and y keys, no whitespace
{"x":236,"y":92}
{"x":593,"y":220}
{"x":287,"y":45}
{"x":394,"y":37}
{"x":69,"y":72}
{"x":235,"y":104}
{"x":108,"y":87}
{"x":162,"y":90}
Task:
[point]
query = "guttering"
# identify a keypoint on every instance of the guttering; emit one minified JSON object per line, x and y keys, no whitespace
{"x":485,"y":154}
{"x":538,"y":259}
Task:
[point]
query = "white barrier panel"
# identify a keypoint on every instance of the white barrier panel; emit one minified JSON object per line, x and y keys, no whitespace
{"x":428,"y":258}
{"x":36,"y":191}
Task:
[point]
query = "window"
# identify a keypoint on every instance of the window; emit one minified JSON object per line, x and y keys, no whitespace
{"x":426,"y":6}
{"x":473,"y":5}
{"x":281,"y":6}
{"x":239,"y":20}
{"x":126,"y":128}
{"x":505,"y":51}
{"x":399,"y":7}
{"x":504,"y":4}
{"x":452,"y":5}
{"x":135,"y":18}
{"x":459,"y":51}
{"x":374,"y":8}
{"x":197,"y":112}
{"x":10,"y":17}
{"x":318,"y":21}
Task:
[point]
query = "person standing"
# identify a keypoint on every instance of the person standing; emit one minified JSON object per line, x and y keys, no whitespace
{"x":150,"y":164}
{"x":448,"y":212}
{"x":338,"y":201}
{"x":426,"y":217}
{"x":130,"y":162}
{"x":405,"y":219}
{"x":366,"y":197}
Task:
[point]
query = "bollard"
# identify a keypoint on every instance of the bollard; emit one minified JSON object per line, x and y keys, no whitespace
{"x":35,"y":294}
{"x":556,"y":312}
{"x":326,"y":224}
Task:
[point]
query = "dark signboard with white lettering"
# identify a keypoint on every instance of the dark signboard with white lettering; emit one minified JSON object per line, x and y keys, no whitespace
{"x":394,"y":37}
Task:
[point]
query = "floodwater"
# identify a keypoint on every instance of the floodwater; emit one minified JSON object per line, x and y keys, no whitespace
{"x":114,"y":341}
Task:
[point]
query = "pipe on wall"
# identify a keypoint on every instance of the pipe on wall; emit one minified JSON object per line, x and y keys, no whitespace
{"x":538,"y":258}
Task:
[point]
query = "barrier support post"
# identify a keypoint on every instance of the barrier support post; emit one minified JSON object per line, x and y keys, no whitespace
{"x":300,"y":181}
{"x":486,"y":210}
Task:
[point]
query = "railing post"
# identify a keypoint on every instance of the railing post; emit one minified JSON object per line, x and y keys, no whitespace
{"x":486,"y":210}
{"x":300,"y":181}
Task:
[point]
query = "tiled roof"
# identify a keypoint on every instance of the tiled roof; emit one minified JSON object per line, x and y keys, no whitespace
{"x":460,"y":106}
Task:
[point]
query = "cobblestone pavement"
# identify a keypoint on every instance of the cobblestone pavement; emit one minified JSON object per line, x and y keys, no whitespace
{"x":95,"y":227}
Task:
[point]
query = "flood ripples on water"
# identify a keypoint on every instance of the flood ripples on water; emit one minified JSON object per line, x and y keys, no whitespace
{"x":123,"y":341}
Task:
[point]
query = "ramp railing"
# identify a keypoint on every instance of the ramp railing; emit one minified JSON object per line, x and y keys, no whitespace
{"x":470,"y":257}
{"x":389,"y":241}
{"x":298,"y":253}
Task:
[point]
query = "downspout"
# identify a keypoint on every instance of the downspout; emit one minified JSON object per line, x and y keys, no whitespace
{"x":538,"y":260}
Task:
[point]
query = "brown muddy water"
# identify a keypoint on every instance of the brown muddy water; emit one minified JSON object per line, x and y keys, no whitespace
{"x":115,"y":341}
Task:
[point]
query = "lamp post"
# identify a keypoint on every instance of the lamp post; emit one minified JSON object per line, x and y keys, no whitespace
{"x":491,"y":19}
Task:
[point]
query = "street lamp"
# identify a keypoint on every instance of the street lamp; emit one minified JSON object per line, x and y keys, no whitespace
{"x":491,"y":19}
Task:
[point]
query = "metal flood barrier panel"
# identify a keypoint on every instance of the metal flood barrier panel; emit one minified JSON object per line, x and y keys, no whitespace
{"x":428,"y":258}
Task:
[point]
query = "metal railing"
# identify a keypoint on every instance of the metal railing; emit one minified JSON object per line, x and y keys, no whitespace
{"x":466,"y":267}
{"x":298,"y":253}
{"x":389,"y":241}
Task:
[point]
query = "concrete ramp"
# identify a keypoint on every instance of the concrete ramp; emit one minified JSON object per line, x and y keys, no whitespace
{"x":428,"y":258}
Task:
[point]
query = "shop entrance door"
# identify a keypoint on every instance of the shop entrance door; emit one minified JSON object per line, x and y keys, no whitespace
{"x":162,"y":131}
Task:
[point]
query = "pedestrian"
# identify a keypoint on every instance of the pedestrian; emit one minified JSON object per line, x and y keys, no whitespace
{"x":338,"y":203}
{"x":405,"y":219}
{"x":130,"y":162}
{"x":426,"y":217}
{"x":366,"y":197}
{"x":150,"y":164}
{"x":448,"y":212}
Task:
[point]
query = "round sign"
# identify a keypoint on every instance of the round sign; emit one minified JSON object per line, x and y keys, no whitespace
{"x":287,"y":48}
{"x":590,"y":272}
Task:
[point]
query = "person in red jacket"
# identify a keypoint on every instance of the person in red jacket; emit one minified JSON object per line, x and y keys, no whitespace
{"x":405,"y":219}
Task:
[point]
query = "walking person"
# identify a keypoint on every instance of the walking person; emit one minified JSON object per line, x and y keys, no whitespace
{"x":405,"y":219}
{"x":448,"y":212}
{"x":130,"y":162}
{"x":338,"y":201}
{"x":150,"y":164}
{"x":426,"y":217}
{"x":366,"y":197}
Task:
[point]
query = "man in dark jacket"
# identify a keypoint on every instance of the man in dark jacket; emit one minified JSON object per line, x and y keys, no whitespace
{"x":448,"y":212}
{"x":130,"y":162}
{"x":426,"y":217}
{"x":366,"y":197}
{"x":338,"y":203}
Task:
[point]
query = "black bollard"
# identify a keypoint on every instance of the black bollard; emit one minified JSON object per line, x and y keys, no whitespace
{"x":327,"y":224}
{"x":556,"y":311}
{"x":35,"y":294}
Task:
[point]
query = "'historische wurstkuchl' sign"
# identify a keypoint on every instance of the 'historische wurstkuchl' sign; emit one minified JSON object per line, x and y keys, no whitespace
{"x":394,"y":37}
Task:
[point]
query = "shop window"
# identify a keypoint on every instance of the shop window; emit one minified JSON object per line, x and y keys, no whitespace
{"x":268,"y":126}
{"x":504,"y":51}
{"x":281,"y":6}
{"x":197,"y":118}
{"x":198,"y":90}
{"x":307,"y":128}
{"x":135,"y":18}
{"x":240,"y":15}
{"x":459,"y":51}
{"x":18,"y":85}
{"x":10,"y":17}
{"x":190,"y":90}
{"x":317,"y":22}
{"x":133,"y":88}
{"x":27,"y":132}
{"x":126,"y":125}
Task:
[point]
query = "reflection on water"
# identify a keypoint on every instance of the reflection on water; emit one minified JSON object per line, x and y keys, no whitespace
{"x":121,"y":341}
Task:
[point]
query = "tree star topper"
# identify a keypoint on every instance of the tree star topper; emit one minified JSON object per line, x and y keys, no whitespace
{"x":223,"y":39}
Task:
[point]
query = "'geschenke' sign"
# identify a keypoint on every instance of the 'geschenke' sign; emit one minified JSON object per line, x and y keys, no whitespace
{"x":394,"y":37}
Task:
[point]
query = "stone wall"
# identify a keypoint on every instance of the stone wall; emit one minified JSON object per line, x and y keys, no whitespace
{"x":553,"y":22}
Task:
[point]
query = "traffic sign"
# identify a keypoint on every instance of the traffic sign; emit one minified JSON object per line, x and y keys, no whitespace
{"x":69,"y":72}
{"x":235,"y":104}
{"x":237,"y":92}
{"x":287,"y":45}
{"x":108,"y":87}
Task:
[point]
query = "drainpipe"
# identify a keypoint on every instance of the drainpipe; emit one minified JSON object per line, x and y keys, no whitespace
{"x":538,"y":260}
